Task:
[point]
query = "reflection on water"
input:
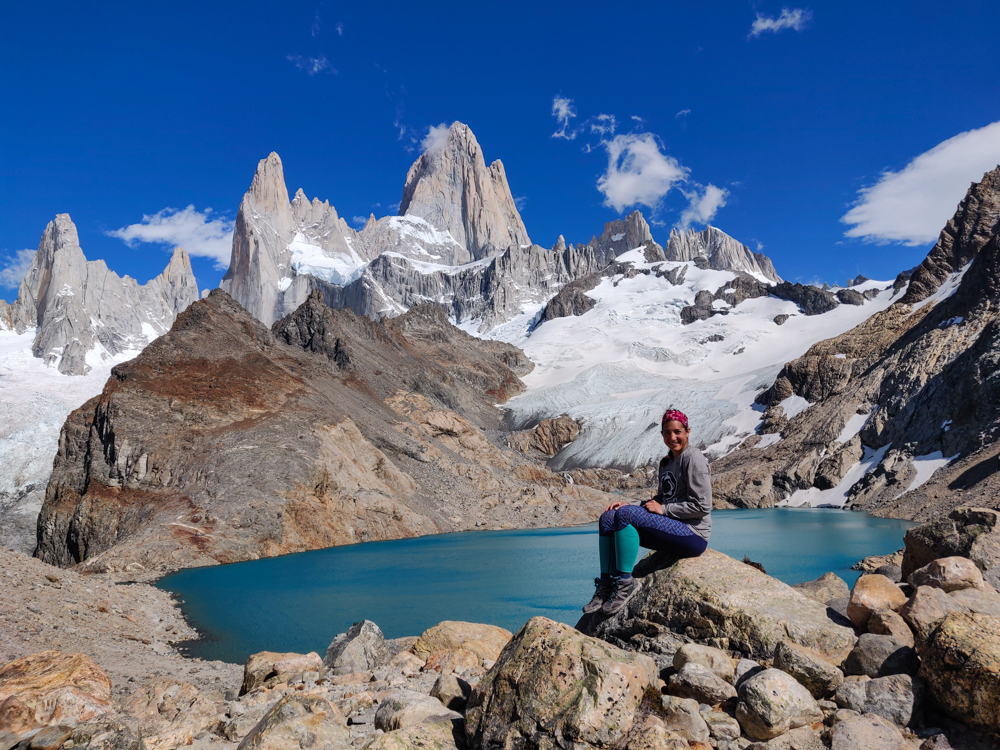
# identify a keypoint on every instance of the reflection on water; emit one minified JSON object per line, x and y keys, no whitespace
{"x":299,"y":602}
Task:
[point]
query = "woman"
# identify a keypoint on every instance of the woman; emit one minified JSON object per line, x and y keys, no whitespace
{"x":677,"y":519}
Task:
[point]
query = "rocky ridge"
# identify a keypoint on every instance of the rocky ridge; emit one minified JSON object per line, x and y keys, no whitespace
{"x":80,"y":308}
{"x":912,"y":383}
{"x":722,"y":252}
{"x":227,"y":441}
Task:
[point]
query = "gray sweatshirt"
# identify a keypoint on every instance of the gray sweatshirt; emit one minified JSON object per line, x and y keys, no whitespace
{"x":685,"y":490}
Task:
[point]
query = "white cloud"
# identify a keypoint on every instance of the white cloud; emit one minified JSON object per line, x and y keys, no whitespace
{"x":316,"y":25}
{"x":340,"y":28}
{"x":16,"y":268}
{"x":638,"y":172}
{"x":796,"y":19}
{"x":563,"y":111}
{"x":603,"y":125}
{"x":520,"y":201}
{"x":912,"y":205}
{"x":682,"y":114}
{"x":703,"y":204}
{"x":193,"y":230}
{"x":436,"y":138}
{"x":312,"y":65}
{"x":359,"y":221}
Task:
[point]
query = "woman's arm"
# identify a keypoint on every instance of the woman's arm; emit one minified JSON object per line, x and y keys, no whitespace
{"x":699,"y":495}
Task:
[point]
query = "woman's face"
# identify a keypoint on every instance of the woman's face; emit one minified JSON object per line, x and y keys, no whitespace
{"x":675,"y":437}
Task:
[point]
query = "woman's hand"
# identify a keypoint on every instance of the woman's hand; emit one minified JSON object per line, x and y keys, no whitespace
{"x":615,"y":506}
{"x":653,"y":507}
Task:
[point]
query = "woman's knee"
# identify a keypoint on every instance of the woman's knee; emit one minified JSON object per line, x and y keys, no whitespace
{"x":606,"y":522}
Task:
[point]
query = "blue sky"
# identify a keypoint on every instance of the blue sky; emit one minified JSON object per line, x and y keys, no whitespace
{"x":765,"y":119}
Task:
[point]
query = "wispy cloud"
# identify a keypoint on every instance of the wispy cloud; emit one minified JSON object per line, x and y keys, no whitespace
{"x":638,"y":172}
{"x":340,"y":28}
{"x":520,"y":201}
{"x":703,"y":204}
{"x":564,"y":111}
{"x":359,"y":221}
{"x":316,"y":24}
{"x":312,"y":65}
{"x":682,"y":114}
{"x":196,"y":231}
{"x":912,"y":205}
{"x":436,"y":139}
{"x":795,"y":19}
{"x":603,"y":125}
{"x":16,"y":267}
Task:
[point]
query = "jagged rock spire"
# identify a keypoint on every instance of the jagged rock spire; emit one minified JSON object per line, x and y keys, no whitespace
{"x":722,"y":252}
{"x":452,"y":189}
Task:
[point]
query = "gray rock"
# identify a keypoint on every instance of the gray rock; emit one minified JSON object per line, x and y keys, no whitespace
{"x":721,"y":726}
{"x":925,"y":609}
{"x":828,"y":586}
{"x":984,"y":601}
{"x":572,"y":298}
{"x":715,"y":596}
{"x":681,"y":715}
{"x":452,"y":691}
{"x":966,"y":532}
{"x":887,"y":622}
{"x":868,"y":732}
{"x":897,"y":698}
{"x":877,"y":655}
{"x":714,"y":659}
{"x":701,"y":684}
{"x":109,"y":732}
{"x":79,"y":306}
{"x":850,"y":297}
{"x":948,"y":574}
{"x":811,"y":300}
{"x":722,"y":252}
{"x":406,"y":708}
{"x":893,"y":572}
{"x":816,"y":674}
{"x":299,"y":722}
{"x":360,"y":649}
{"x":772,"y":702}
{"x":746,"y":668}
{"x":803,"y":738}
{"x":781,"y":319}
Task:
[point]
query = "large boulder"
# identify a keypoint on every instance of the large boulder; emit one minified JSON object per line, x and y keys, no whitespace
{"x":267,"y":668}
{"x":50,"y":688}
{"x":299,"y":722}
{"x":813,"y":672}
{"x":871,"y":593}
{"x":437,"y":735}
{"x":897,"y":698}
{"x":966,"y":532}
{"x":868,"y":732}
{"x":773,"y":702}
{"x":828,"y":586}
{"x":984,"y":601}
{"x":108,"y":732}
{"x":452,"y":691}
{"x":720,"y":600}
{"x":485,"y":641}
{"x":887,"y":622}
{"x":407,"y":708}
{"x":170,"y":713}
{"x":681,"y":715}
{"x":551,"y":682}
{"x":701,"y":684}
{"x":712,"y":658}
{"x":360,"y":649}
{"x":925,"y":609}
{"x":879,"y":656}
{"x":948,"y":574}
{"x":962,"y":668}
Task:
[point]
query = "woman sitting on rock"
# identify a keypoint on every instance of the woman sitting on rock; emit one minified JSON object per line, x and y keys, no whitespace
{"x":676,"y":520}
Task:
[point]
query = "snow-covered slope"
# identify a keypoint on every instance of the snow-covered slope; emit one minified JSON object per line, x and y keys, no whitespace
{"x":618,"y":366}
{"x":35,"y":400}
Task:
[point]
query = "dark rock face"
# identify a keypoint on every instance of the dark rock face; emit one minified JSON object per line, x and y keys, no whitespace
{"x":927,"y":378}
{"x":850,"y":297}
{"x":226,"y":441}
{"x":974,"y":224}
{"x":810,"y":299}
{"x":743,"y":287}
{"x":572,"y":299}
{"x":966,"y":532}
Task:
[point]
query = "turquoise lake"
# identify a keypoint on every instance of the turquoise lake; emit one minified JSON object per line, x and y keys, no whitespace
{"x":300,"y":602}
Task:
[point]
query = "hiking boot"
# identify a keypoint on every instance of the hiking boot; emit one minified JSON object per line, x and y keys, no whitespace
{"x":621,"y":591}
{"x":602,"y":591}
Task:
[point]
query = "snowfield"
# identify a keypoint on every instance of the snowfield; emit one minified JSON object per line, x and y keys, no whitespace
{"x":617,"y":367}
{"x":35,"y":400}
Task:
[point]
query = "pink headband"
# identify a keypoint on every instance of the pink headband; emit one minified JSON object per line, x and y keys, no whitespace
{"x":672,"y":415}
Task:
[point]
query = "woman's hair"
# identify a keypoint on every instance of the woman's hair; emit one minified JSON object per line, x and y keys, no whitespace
{"x":672,"y":415}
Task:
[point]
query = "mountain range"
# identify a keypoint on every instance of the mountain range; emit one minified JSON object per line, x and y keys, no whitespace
{"x":799,"y":394}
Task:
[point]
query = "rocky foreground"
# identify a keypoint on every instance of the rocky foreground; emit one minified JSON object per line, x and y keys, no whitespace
{"x":710,"y":653}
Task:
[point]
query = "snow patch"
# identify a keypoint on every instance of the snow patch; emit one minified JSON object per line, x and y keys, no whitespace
{"x":618,"y":237}
{"x":311,"y":259}
{"x":853,"y":427}
{"x":947,"y":288}
{"x":837,"y":496}
{"x":768,"y":440}
{"x":284,"y":284}
{"x":926,"y":465}
{"x":794,"y":405}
